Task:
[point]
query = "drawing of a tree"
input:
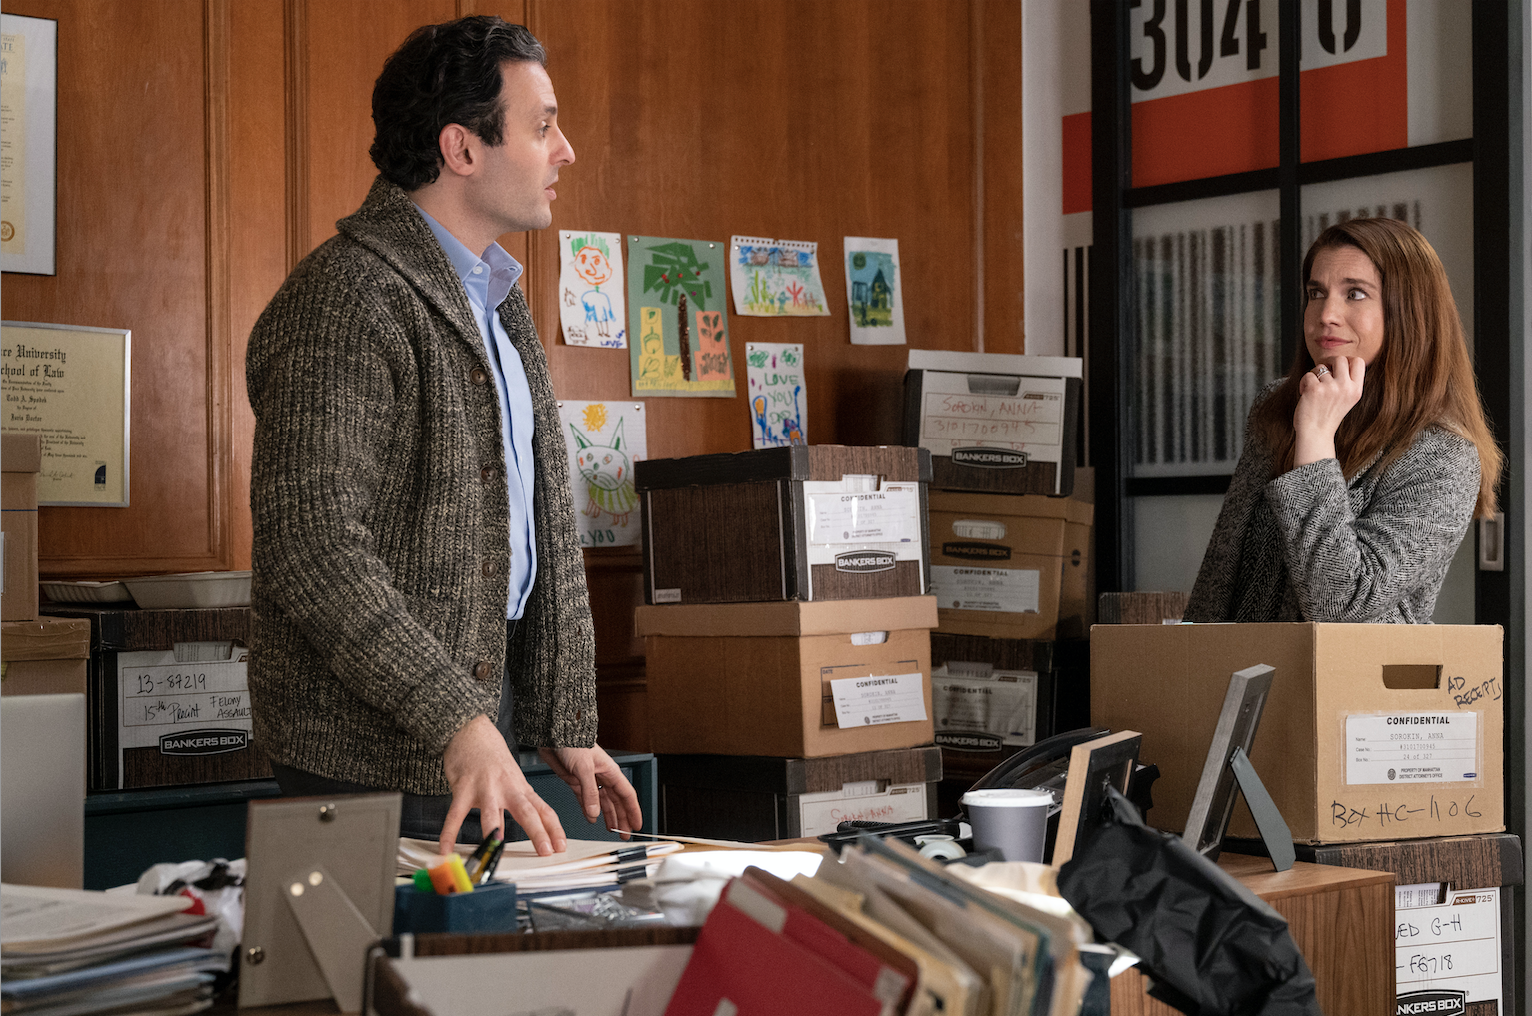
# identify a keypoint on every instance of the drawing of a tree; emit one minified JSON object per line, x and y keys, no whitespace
{"x":674,"y":271}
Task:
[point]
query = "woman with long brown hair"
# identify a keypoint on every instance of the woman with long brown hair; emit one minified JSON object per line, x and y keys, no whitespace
{"x":1363,"y":467}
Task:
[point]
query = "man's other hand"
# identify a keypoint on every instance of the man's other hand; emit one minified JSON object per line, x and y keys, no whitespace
{"x":483,"y":774}
{"x":598,"y":784}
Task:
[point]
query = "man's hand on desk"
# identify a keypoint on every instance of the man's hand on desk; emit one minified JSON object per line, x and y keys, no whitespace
{"x":483,"y":774}
{"x":598,"y":784}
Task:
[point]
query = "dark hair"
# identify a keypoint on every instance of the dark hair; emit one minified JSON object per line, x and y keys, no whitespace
{"x":442,"y":74}
{"x":1426,"y":375}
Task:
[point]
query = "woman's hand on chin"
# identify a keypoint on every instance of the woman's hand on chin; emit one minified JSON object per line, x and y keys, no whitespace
{"x":1325,"y":395}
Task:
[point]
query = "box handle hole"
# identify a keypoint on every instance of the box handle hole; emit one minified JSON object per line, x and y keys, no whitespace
{"x":1412,"y":675}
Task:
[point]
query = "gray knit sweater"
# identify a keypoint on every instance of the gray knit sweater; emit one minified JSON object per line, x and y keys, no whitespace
{"x":1308,"y":546}
{"x":381,"y":514}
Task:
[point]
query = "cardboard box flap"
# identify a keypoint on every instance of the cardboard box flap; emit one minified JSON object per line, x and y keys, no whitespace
{"x":996,"y":363}
{"x":1032,"y":505}
{"x":45,"y":640}
{"x":21,"y":453}
{"x":786,"y":617}
{"x":894,"y":463}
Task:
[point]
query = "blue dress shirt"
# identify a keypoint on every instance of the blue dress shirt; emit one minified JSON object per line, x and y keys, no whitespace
{"x":488,"y":281}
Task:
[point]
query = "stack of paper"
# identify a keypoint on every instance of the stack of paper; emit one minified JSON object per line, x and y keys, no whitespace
{"x":71,"y":952}
{"x":582,"y":866}
{"x":884,"y":932}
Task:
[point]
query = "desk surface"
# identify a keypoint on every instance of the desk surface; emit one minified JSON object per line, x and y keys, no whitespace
{"x":1341,"y":918}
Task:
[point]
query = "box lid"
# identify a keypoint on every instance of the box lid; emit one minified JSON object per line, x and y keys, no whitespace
{"x":21,"y":453}
{"x":774,"y":775}
{"x":996,"y":363}
{"x":894,"y":463}
{"x":786,"y":617}
{"x":56,"y":639}
{"x":1033,"y":505}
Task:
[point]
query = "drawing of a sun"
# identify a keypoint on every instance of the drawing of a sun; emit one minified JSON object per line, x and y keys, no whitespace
{"x":595,"y":416}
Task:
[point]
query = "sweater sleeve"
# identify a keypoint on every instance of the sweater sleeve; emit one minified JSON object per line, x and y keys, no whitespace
{"x":1357,"y":567}
{"x":324,"y":363}
{"x":1212,"y":597}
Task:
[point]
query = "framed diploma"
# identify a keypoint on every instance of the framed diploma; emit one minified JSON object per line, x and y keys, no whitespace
{"x":71,"y":386}
{"x":28,"y":142}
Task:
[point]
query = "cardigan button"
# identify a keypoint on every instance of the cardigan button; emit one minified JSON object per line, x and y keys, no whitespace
{"x":487,"y":568}
{"x":481,"y":670}
{"x":487,"y":473}
{"x":478,"y":376}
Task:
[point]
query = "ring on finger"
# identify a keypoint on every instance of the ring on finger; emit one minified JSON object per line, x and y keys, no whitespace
{"x":1321,"y":370}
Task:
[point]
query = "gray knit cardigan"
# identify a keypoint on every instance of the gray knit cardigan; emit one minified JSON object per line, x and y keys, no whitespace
{"x":1374,"y":549}
{"x":381,"y":515}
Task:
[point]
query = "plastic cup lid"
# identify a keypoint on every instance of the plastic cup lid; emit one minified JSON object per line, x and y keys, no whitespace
{"x":1008,"y":797}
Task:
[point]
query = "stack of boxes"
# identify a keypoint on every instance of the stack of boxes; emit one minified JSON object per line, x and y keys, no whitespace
{"x":787,"y":621}
{"x":1010,"y":528}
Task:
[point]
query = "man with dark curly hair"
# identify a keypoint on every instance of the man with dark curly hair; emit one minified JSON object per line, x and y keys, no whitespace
{"x":417,"y":566}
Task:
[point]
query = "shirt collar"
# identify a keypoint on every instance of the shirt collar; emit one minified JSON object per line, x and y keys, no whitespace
{"x":502,"y":269}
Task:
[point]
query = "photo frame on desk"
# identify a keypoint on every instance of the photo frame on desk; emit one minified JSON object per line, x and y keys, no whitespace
{"x":319,"y":890}
{"x":1093,"y":766}
{"x":72,"y":386}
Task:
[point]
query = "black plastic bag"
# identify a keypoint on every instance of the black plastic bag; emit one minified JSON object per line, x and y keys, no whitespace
{"x":1210,"y":946}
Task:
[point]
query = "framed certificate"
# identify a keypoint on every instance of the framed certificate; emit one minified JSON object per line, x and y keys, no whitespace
{"x":29,"y":143}
{"x":71,"y":386}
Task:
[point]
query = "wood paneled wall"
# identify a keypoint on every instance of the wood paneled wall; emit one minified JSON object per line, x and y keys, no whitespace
{"x":205,"y":145}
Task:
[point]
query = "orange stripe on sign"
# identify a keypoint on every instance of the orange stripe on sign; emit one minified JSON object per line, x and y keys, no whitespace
{"x":1360,"y":107}
{"x":1232,"y":129}
{"x":1077,"y":168}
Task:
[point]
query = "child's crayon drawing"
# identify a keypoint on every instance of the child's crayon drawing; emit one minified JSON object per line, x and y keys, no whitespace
{"x":676,"y":306}
{"x":873,"y":291}
{"x":776,"y":278}
{"x":590,"y":289}
{"x":775,"y":374}
{"x":604,"y":440}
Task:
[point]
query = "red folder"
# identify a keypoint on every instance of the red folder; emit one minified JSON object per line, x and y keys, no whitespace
{"x":744,"y":965}
{"x":890,"y":975}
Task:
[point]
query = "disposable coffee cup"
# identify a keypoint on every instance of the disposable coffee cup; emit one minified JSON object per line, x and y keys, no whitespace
{"x":1011,"y":820}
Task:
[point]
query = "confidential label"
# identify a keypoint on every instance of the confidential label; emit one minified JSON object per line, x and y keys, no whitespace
{"x":857,"y":561}
{"x":889,"y":515}
{"x":1412,"y":748}
{"x":971,"y":551}
{"x":878,"y":698}
{"x":989,"y":458}
{"x":1002,"y":705}
{"x":1004,"y":590}
{"x":203,"y":742}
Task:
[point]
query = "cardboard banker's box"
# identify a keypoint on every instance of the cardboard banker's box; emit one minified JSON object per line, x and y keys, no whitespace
{"x":998,"y":561}
{"x":1371,"y":731}
{"x":792,"y":678}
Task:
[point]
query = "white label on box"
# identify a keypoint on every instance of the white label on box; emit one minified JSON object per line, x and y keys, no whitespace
{"x":890,"y":515}
{"x":822,"y":813}
{"x":1010,"y":590}
{"x":1412,"y":748}
{"x":189,"y":708}
{"x":1029,"y":421}
{"x":978,"y":529}
{"x":878,"y":698}
{"x":1446,"y":949}
{"x":1003,"y":705}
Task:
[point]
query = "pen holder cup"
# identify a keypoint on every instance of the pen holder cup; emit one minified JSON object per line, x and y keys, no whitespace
{"x":488,"y":909}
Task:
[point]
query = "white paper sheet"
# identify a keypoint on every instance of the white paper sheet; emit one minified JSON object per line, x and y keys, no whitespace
{"x":873,"y":291}
{"x":604,"y":440}
{"x":592,"y":310}
{"x":776,"y":278}
{"x":36,"y":918}
{"x":778,"y":401}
